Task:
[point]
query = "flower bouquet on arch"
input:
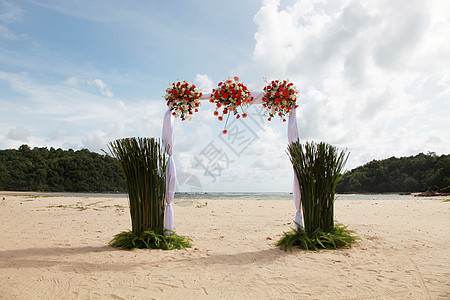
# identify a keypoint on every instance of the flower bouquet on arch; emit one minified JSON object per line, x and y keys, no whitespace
{"x":183,"y":99}
{"x":280,"y":97}
{"x":231,"y":96}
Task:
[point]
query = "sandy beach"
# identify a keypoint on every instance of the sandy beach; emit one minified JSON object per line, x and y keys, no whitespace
{"x":57,"y":248}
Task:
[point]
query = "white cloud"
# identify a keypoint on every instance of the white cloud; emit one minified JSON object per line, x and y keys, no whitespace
{"x":73,"y":81}
{"x":60,"y":132}
{"x":204,"y":82}
{"x":10,"y":12}
{"x":365,"y":69}
{"x":19,"y":133}
{"x":95,"y":140}
{"x":104,"y":90}
{"x":6,"y":34}
{"x":69,"y":116}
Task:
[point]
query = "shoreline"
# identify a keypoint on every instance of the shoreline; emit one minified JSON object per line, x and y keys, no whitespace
{"x":283,"y":196}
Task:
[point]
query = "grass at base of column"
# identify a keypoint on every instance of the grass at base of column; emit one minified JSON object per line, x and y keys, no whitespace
{"x":340,"y":236}
{"x":149,"y":239}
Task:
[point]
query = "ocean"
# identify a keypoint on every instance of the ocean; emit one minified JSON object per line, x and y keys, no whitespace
{"x":229,"y":195}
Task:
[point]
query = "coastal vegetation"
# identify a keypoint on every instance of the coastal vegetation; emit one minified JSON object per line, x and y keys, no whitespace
{"x":417,"y":173}
{"x":57,"y":170}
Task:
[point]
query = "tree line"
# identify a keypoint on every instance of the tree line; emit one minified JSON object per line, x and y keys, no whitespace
{"x":406,"y":174}
{"x":57,"y":170}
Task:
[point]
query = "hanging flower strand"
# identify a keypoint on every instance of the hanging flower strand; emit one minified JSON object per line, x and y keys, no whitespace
{"x":280,"y":97}
{"x":230,"y":96}
{"x":183,"y":99}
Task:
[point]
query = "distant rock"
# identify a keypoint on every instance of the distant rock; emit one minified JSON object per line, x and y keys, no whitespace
{"x":432,"y":194}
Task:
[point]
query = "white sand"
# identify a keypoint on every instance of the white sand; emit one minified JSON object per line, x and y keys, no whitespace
{"x":56,"y":248}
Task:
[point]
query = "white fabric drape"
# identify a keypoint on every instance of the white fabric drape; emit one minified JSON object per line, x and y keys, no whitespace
{"x":167,"y":140}
{"x":294,"y":137}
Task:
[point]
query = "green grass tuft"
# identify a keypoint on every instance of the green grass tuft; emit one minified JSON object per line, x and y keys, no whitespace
{"x":149,"y":239}
{"x":447,"y":200}
{"x":339,"y":237}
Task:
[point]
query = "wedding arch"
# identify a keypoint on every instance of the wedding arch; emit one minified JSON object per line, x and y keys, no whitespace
{"x":279,"y":99}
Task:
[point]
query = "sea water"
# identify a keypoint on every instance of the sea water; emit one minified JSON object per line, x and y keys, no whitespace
{"x":228,"y":195}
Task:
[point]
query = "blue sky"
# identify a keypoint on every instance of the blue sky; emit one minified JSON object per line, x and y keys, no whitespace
{"x":374,"y":78}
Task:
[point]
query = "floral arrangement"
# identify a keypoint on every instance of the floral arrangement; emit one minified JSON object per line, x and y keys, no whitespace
{"x":183,"y":99}
{"x":279,"y":98}
{"x":230,"y":96}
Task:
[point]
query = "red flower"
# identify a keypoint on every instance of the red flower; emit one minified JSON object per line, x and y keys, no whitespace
{"x":220,"y":118}
{"x":230,"y":95}
{"x":216,"y":113}
{"x":225,"y":131}
{"x":244,"y":115}
{"x":181,"y":98}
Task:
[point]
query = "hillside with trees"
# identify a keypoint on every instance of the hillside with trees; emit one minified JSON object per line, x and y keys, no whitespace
{"x":406,"y":174}
{"x":57,"y":170}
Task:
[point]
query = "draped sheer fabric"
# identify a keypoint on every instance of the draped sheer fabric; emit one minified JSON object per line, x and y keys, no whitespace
{"x":294,"y":137}
{"x":171,"y":174}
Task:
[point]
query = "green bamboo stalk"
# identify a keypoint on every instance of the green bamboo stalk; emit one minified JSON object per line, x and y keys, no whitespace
{"x":318,"y":168}
{"x":143,"y":161}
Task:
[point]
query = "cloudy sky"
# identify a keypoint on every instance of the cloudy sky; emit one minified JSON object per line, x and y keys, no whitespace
{"x":374,"y":78}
